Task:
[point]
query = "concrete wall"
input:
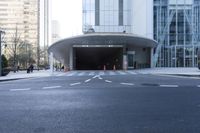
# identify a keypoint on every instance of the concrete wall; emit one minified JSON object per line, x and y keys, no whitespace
{"x":142,"y":56}
{"x":142,"y":12}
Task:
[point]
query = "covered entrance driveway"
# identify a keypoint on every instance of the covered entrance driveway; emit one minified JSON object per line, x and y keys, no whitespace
{"x":96,"y":51}
{"x":98,"y":58}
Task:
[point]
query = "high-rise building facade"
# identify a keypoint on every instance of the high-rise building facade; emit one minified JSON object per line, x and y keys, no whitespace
{"x":19,"y":19}
{"x":45,"y":35}
{"x":128,"y":16}
{"x":55,"y":31}
{"x":28,"y":21}
{"x":175,"y":24}
{"x":177,"y":29}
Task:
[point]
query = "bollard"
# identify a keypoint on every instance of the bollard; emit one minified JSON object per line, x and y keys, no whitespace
{"x":114,"y":68}
{"x":104,"y":67}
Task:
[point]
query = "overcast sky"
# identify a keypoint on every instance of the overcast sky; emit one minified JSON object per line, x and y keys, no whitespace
{"x":69,"y":15}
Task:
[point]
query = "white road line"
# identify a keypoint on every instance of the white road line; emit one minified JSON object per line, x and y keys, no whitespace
{"x":101,"y":73}
{"x":112,"y":73}
{"x":73,"y":84}
{"x":96,"y":76}
{"x":100,"y":78}
{"x":88,"y":80}
{"x":172,"y":86}
{"x":62,"y":74}
{"x":122,"y":73}
{"x":91,"y":73}
{"x":198,"y":86}
{"x":127,"y":84}
{"x":25,"y":89}
{"x":71,"y":74}
{"x":81,"y":74}
{"x":51,"y":87}
{"x":131,"y":72}
{"x":108,"y":81}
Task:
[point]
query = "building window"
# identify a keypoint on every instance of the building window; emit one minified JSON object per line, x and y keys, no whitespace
{"x":121,"y":13}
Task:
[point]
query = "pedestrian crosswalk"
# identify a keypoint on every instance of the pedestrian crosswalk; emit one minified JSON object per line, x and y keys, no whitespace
{"x":93,"y":73}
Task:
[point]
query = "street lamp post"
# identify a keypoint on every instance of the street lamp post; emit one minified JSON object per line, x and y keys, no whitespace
{"x":1,"y":32}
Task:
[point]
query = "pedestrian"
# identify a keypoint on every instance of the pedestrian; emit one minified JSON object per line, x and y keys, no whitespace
{"x":17,"y":68}
{"x":28,"y":69}
{"x":31,"y":68}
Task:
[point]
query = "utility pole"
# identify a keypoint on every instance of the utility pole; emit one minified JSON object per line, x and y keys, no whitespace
{"x":1,"y":32}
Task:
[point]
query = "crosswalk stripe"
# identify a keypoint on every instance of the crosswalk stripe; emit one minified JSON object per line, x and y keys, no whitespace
{"x":112,"y":73}
{"x":122,"y":73}
{"x":71,"y":74}
{"x":101,"y":73}
{"x":81,"y":74}
{"x":130,"y":72}
{"x":91,"y":73}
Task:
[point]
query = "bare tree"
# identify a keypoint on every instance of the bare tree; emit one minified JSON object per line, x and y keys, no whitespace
{"x":14,"y":46}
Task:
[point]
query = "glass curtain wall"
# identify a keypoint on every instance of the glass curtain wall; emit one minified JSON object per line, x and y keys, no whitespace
{"x":107,"y":16}
{"x":177,"y":29}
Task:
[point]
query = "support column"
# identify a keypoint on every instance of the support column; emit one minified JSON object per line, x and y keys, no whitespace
{"x":71,"y":58}
{"x":51,"y":63}
{"x":152,"y":59}
{"x":125,"y":62}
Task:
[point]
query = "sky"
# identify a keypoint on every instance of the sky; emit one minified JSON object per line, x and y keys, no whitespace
{"x":69,"y":15}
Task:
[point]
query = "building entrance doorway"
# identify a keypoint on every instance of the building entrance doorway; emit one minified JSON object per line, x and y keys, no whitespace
{"x":98,"y":58}
{"x":131,"y":59}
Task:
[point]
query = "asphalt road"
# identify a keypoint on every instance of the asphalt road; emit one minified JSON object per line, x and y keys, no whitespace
{"x":101,"y":104}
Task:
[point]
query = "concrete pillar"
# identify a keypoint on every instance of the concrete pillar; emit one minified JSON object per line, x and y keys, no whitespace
{"x":71,"y":61}
{"x":152,"y":58}
{"x":125,"y":62}
{"x":51,"y":63}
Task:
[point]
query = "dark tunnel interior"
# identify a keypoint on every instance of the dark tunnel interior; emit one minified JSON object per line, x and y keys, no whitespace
{"x":98,"y":58}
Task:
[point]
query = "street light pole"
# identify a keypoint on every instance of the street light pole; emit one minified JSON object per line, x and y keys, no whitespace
{"x":1,"y":32}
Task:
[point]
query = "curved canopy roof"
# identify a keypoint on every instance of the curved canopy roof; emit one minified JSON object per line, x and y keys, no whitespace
{"x":61,"y":49}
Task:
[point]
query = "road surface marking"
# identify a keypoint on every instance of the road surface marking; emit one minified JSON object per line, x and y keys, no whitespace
{"x":100,"y":78}
{"x":75,"y":84}
{"x":51,"y":87}
{"x":81,"y":74}
{"x":96,"y":76}
{"x":127,"y":84}
{"x":25,"y":89}
{"x":198,"y":86}
{"x":91,"y":73}
{"x":61,"y":74}
{"x":71,"y":74}
{"x":131,"y":72}
{"x":169,"y":86}
{"x":101,"y":73}
{"x":108,"y":81}
{"x":87,"y":80}
{"x":122,"y":73}
{"x":112,"y":73}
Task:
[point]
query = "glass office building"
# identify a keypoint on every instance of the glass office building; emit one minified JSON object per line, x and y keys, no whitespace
{"x":177,"y":30}
{"x":109,"y":41}
{"x":107,"y":16}
{"x":175,"y":25}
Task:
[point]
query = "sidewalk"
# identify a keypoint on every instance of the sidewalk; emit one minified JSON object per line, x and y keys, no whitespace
{"x":24,"y":75}
{"x":192,"y":71}
{"x":195,"y":72}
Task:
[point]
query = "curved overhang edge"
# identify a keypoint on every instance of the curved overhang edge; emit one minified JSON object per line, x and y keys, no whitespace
{"x":60,"y":42}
